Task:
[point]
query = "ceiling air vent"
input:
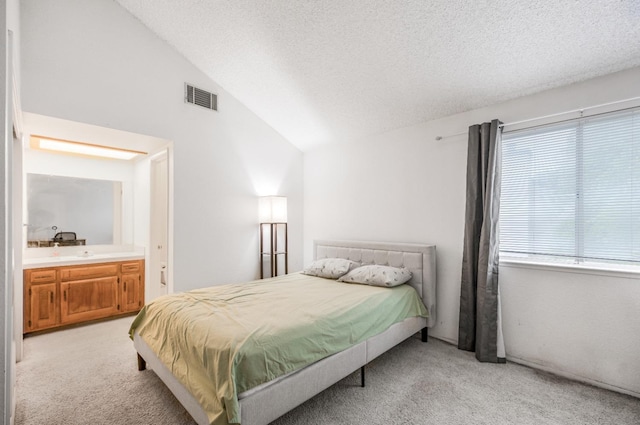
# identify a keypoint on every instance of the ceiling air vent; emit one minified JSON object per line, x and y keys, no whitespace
{"x":200,"y":97}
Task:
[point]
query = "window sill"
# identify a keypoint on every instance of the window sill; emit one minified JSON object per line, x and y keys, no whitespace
{"x":613,"y":270}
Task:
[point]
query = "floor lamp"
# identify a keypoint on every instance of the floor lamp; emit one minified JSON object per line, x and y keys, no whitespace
{"x":273,"y":234}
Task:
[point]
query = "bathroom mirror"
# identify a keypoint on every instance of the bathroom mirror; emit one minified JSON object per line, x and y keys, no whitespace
{"x":72,"y":211}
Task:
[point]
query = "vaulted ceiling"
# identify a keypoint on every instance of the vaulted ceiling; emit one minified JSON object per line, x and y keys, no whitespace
{"x":333,"y":70}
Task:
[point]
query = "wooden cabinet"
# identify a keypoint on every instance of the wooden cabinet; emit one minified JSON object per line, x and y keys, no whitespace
{"x":40,"y":298}
{"x":88,"y":299}
{"x":65,"y":295}
{"x":132,"y":286}
{"x":42,"y":306}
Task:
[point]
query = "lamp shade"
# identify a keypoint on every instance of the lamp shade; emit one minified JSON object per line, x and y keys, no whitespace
{"x":273,"y":209}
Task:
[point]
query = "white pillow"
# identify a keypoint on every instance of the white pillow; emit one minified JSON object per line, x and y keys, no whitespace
{"x":330,"y":268}
{"x":377,"y":275}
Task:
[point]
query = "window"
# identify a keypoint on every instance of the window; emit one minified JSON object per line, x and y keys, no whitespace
{"x":571,"y":191}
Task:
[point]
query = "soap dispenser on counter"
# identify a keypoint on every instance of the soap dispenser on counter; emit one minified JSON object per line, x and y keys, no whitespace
{"x":56,"y":249}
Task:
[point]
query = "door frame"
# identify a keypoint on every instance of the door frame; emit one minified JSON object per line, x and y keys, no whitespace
{"x":154,"y":261}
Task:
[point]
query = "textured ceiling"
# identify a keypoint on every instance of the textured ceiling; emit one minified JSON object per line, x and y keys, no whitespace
{"x":332,"y":70}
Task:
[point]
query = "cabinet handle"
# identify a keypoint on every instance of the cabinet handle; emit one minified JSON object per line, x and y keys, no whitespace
{"x":51,"y":293}
{"x":125,"y":285}
{"x":65,"y":295}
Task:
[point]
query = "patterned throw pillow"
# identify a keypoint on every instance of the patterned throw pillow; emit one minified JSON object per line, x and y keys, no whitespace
{"x":377,"y":275}
{"x":330,"y":268}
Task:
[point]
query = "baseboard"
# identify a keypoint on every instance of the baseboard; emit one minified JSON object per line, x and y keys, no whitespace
{"x":444,"y":339}
{"x":572,"y":376}
{"x":554,"y":371}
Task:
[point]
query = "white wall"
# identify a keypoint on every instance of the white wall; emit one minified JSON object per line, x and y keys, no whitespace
{"x":583,"y":325}
{"x":406,"y":186}
{"x":94,"y":63}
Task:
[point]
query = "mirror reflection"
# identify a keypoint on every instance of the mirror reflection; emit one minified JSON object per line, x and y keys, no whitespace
{"x":72,"y":211}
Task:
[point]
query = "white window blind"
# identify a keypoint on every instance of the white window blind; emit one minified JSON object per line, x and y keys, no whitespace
{"x":571,"y":191}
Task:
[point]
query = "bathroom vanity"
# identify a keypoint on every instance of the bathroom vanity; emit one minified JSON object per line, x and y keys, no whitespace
{"x":65,"y":290}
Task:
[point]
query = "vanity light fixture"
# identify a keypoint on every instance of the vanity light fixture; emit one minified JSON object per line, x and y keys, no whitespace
{"x":81,"y":148}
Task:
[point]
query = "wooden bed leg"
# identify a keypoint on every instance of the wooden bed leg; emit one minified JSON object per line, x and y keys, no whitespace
{"x":142,"y":365}
{"x":362,"y":376}
{"x":425,"y":334}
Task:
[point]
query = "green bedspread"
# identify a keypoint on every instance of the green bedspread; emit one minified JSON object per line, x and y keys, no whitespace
{"x":224,"y":340}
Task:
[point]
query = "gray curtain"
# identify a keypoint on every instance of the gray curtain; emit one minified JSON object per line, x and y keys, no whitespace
{"x":480,"y":328}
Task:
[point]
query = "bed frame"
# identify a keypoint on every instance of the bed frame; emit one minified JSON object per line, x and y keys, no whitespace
{"x":269,"y":401}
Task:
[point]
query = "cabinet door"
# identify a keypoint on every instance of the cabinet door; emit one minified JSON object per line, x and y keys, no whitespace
{"x":41,"y":301}
{"x":88,"y":299}
{"x":132,"y":292}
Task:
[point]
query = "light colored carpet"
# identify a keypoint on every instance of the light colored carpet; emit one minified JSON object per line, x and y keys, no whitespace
{"x":88,"y":375}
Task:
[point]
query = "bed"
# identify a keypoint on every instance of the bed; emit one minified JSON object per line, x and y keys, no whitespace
{"x":266,"y":401}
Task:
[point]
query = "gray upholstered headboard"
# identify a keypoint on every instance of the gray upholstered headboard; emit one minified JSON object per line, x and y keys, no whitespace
{"x":420,"y":259}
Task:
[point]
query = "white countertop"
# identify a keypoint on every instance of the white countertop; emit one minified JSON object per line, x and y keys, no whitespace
{"x":72,"y":260}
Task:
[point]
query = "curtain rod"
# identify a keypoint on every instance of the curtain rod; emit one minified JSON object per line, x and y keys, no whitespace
{"x":581,"y":110}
